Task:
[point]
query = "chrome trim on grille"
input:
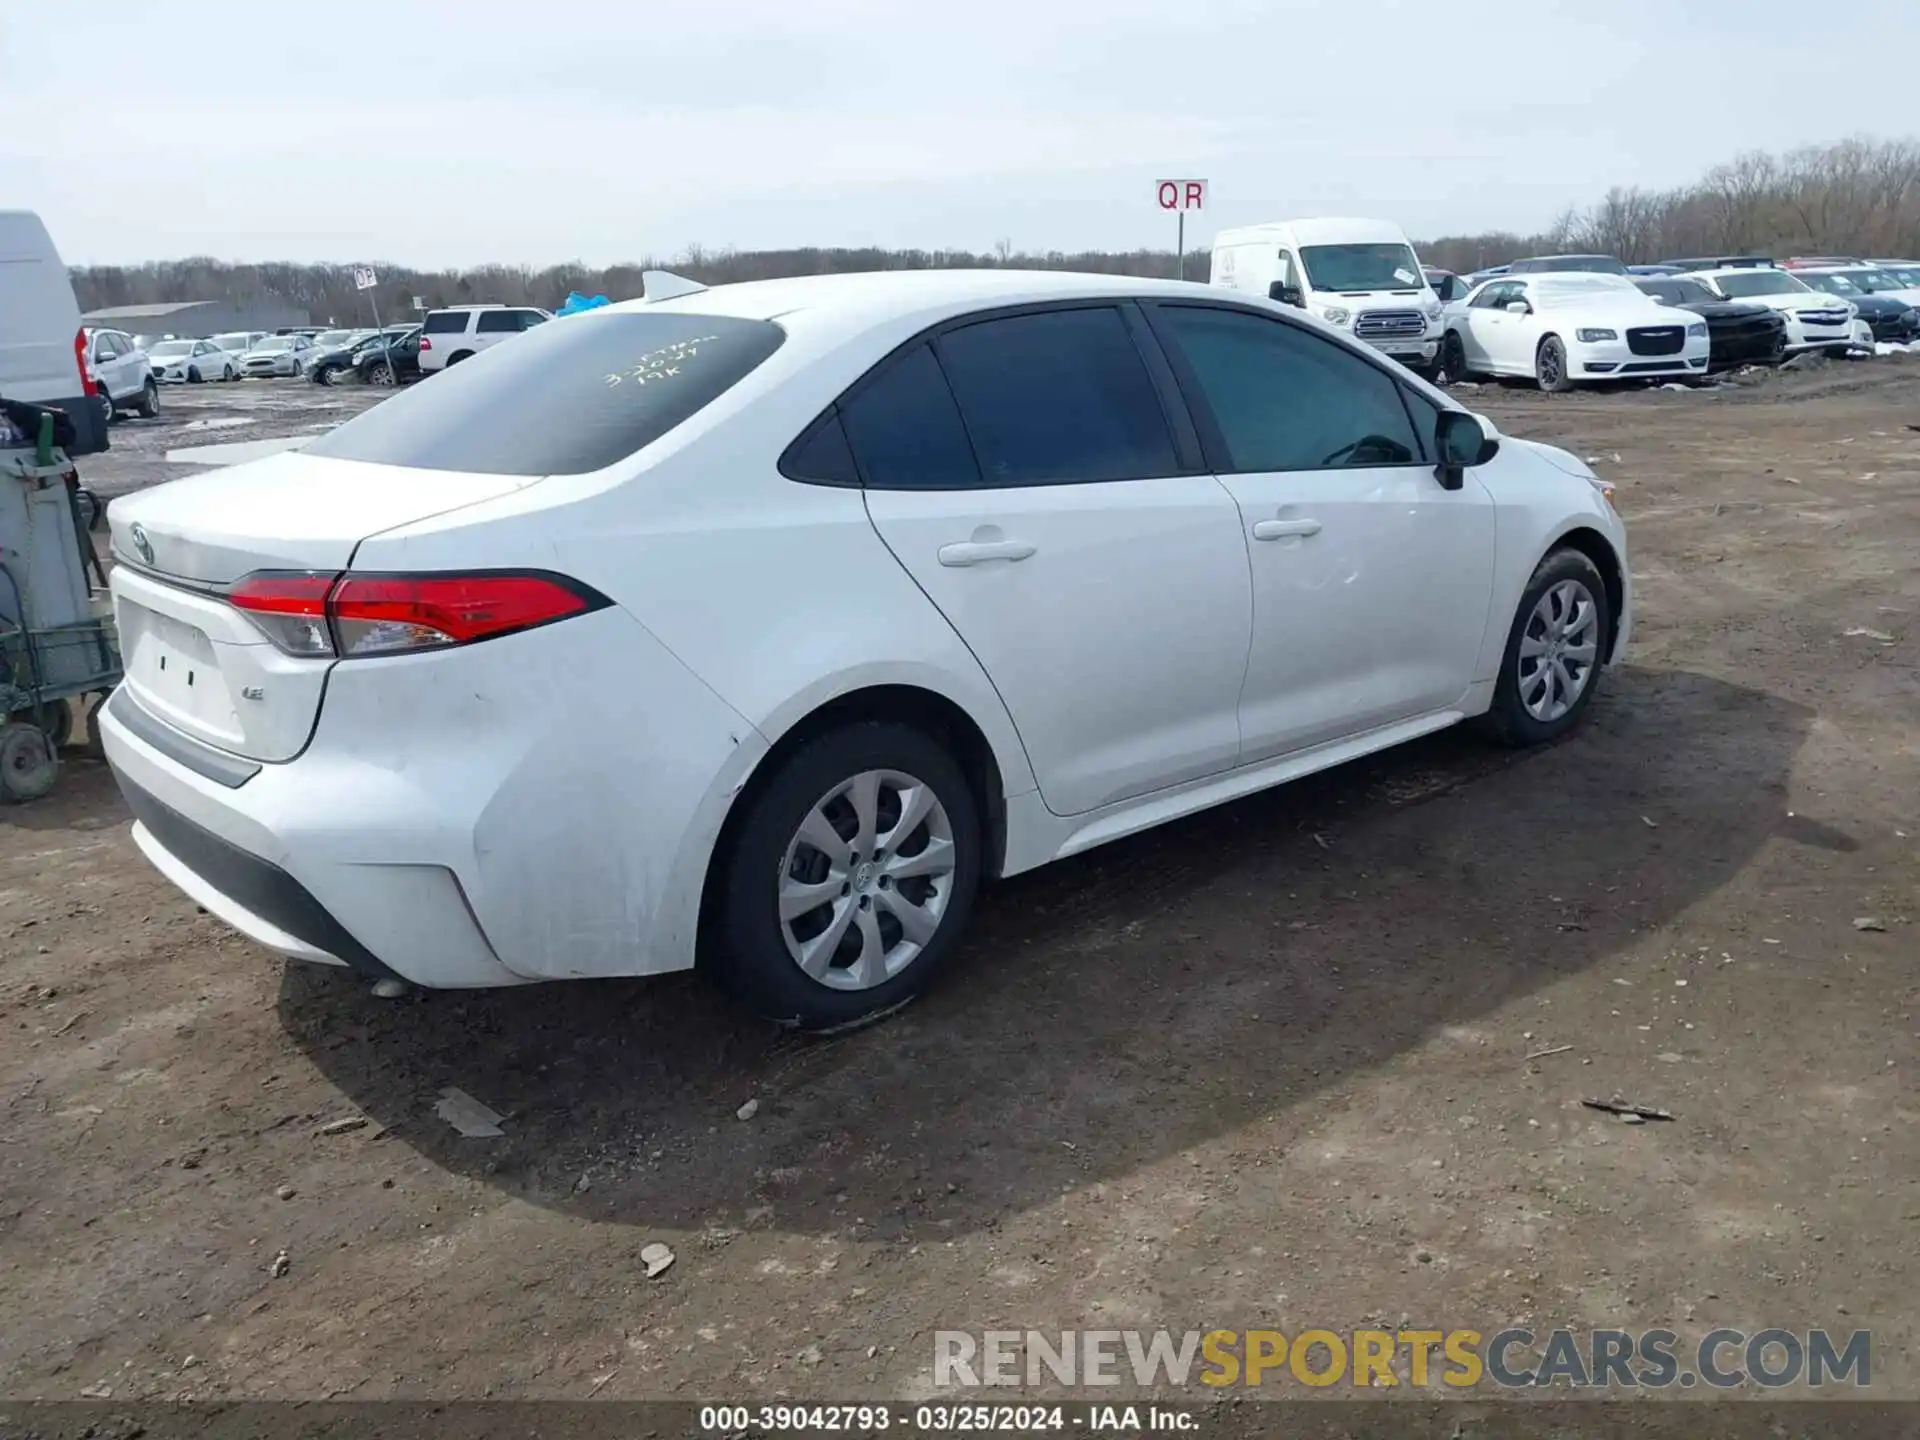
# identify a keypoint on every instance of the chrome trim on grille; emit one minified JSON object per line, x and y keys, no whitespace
{"x":1390,"y":324}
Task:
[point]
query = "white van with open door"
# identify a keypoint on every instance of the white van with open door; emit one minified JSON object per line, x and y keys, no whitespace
{"x":1360,"y":276}
{"x":44,"y":356}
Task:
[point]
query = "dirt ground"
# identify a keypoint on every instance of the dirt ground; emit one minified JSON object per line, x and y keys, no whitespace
{"x":1268,"y":1067}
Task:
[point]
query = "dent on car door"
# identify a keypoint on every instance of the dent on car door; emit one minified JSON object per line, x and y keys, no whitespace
{"x":1024,"y":471}
{"x":1371,"y":581}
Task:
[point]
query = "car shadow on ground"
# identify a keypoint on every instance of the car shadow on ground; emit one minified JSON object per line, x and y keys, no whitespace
{"x":1108,"y":1011}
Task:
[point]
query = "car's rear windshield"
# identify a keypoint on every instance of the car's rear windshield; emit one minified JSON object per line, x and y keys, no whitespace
{"x":564,"y":399}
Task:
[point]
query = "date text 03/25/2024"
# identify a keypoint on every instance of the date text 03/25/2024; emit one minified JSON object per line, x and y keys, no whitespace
{"x":958,"y":1419}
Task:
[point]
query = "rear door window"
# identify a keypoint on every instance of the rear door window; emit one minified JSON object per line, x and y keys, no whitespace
{"x":1057,"y":398}
{"x":495,"y":322}
{"x":447,"y":322}
{"x":569,"y":399}
{"x":905,"y":429}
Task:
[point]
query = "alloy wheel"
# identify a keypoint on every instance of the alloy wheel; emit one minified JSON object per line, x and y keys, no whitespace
{"x":866,"y":879}
{"x":1558,"y":650}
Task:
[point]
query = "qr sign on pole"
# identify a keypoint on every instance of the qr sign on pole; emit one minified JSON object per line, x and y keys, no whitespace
{"x":364,"y":278}
{"x":1180,"y":194}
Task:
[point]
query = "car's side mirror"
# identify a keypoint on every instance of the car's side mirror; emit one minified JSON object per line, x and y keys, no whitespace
{"x":1519,"y":307}
{"x":1286,"y":294}
{"x":1461,"y":442}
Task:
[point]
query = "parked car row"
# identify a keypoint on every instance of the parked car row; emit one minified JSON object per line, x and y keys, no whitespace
{"x":374,"y":357}
{"x":1541,"y":316}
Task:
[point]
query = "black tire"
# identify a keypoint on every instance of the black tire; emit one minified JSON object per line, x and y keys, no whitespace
{"x":1453,"y":358}
{"x":149,"y":406}
{"x":455,"y":358}
{"x":28,"y":763}
{"x":230,"y":375}
{"x":194,"y":376}
{"x":380,"y":373}
{"x":326,"y":374}
{"x":750,"y":955}
{"x":1550,"y":366}
{"x":1509,"y":720}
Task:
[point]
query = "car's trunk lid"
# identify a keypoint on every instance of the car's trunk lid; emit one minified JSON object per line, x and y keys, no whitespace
{"x":193,"y":660}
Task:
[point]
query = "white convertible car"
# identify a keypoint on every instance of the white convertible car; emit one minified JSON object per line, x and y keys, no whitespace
{"x":1564,"y":328}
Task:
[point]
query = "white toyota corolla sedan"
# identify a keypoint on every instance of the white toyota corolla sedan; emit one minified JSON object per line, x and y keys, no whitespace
{"x":1563,"y":328}
{"x":757,"y":627}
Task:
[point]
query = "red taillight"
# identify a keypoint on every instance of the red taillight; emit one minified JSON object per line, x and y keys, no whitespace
{"x":88,"y":385}
{"x":290,"y":609}
{"x":425,"y":343}
{"x":350,"y":615}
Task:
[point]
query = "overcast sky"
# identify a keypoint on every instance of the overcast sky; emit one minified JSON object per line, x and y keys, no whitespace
{"x":434,"y":133}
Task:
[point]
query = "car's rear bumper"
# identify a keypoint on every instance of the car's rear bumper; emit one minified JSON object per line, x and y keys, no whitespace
{"x":442,"y":827}
{"x":238,"y":859}
{"x":257,"y":898}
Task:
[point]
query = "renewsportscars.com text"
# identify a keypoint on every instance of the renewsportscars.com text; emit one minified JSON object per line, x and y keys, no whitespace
{"x":1381,"y":1359}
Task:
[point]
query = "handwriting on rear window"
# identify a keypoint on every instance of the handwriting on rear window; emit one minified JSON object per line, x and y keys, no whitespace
{"x":659,"y":365}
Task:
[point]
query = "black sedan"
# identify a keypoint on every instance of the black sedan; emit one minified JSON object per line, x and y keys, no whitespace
{"x":328,"y":366}
{"x":1738,"y":333}
{"x":392,"y":362}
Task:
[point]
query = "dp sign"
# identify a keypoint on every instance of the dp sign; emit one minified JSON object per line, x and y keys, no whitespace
{"x":1181,"y":194}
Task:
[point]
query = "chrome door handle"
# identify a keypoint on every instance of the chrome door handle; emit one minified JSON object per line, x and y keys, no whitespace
{"x":976,"y":552}
{"x":1279,"y":529}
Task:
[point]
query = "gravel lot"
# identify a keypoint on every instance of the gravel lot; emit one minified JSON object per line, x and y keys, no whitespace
{"x":192,"y":416}
{"x":1267,"y":1067}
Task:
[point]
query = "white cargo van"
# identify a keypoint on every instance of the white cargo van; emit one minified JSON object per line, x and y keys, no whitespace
{"x":1359,"y":275}
{"x":44,"y":357}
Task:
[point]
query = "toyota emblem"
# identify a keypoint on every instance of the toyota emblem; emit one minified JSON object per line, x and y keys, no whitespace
{"x":142,"y":544}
